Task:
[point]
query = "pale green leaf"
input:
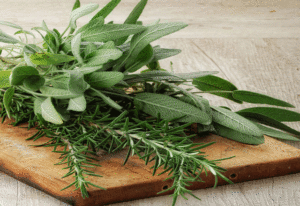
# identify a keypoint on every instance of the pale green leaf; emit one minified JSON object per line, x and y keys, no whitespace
{"x":88,"y":70}
{"x":37,"y":105}
{"x":7,"y":99}
{"x":75,"y":46}
{"x":6,"y":23}
{"x":24,"y":32}
{"x":5,"y":38}
{"x":77,"y":84}
{"x":170,"y":108}
{"x":276,"y":133}
{"x":57,"y":93}
{"x":103,"y":79}
{"x":77,"y":104}
{"x":49,"y":58}
{"x":103,"y":56}
{"x":107,"y":100}
{"x":162,"y":53}
{"x":93,"y":23}
{"x":4,"y":79}
{"x":49,"y":113}
{"x":27,"y":60}
{"x":80,"y":12}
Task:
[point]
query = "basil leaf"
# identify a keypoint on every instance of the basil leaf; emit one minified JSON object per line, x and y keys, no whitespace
{"x":75,"y":46}
{"x":103,"y":79}
{"x":214,"y":83}
{"x":4,"y":79}
{"x":102,"y":56}
{"x":18,"y":74}
{"x":81,"y":11}
{"x":6,"y":23}
{"x":7,"y":99}
{"x":5,"y":38}
{"x":107,"y":9}
{"x":77,"y":84}
{"x":49,"y":113}
{"x":107,"y":100}
{"x":257,"y":98}
{"x":34,"y":82}
{"x":109,"y":32}
{"x":169,"y":108}
{"x":276,"y":133}
{"x":281,"y":115}
{"x":49,"y":58}
{"x":77,"y":104}
{"x":234,"y":121}
{"x":57,"y":93}
{"x":238,"y":136}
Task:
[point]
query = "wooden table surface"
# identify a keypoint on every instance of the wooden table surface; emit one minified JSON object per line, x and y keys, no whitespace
{"x":252,"y":43}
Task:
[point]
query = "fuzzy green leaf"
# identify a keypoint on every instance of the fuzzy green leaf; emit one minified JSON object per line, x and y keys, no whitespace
{"x":162,"y":53}
{"x":80,"y":12}
{"x":214,"y":83}
{"x":105,"y":11}
{"x":257,"y":98}
{"x":109,"y":32}
{"x":5,"y":38}
{"x":102,"y":56}
{"x":235,"y":122}
{"x":37,"y":105}
{"x":91,"y":47}
{"x":75,"y":46}
{"x":49,"y":58}
{"x":281,"y":115}
{"x":49,"y":113}
{"x":170,"y":108}
{"x":238,"y":136}
{"x":88,"y":70}
{"x":276,"y":133}
{"x":7,"y":99}
{"x":57,"y":93}
{"x":77,"y":84}
{"x":107,"y":100}
{"x":103,"y":79}
{"x":77,"y":104}
{"x":93,"y":23}
{"x":24,"y":32}
{"x":34,"y":82}
{"x":18,"y":74}
{"x":6,"y":23}
{"x":4,"y":79}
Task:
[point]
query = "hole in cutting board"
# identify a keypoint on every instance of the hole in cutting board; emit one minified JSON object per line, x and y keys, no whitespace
{"x":233,"y":176}
{"x":165,"y":187}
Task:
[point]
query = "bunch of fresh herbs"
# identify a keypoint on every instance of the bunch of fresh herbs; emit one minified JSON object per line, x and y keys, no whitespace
{"x":79,"y":91}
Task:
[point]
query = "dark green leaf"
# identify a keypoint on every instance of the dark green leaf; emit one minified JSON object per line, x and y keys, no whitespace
{"x":108,"y":100}
{"x":7,"y":99}
{"x":34,"y":82}
{"x":105,"y":11}
{"x":278,"y":114}
{"x":49,"y":58}
{"x":257,"y":98}
{"x":4,"y":79}
{"x":18,"y":74}
{"x":103,"y":79}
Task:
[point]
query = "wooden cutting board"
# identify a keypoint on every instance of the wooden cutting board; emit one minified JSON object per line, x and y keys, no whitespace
{"x":35,"y":167}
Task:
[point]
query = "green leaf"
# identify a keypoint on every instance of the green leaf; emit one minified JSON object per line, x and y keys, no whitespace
{"x":77,"y":104}
{"x":144,"y":58}
{"x":281,"y":115}
{"x":235,"y":122}
{"x":4,"y":79}
{"x":198,"y":102}
{"x":49,"y":113}
{"x":34,"y":82}
{"x":169,"y":108}
{"x":80,"y":12}
{"x":268,"y":121}
{"x":238,"y":136}
{"x":214,"y":83}
{"x":75,"y":46}
{"x":107,"y":100}
{"x":76,"y":5}
{"x":98,"y":22}
{"x":57,"y":93}
{"x":257,"y":98}
{"x":7,"y":99}
{"x":63,"y":113}
{"x":24,"y":32}
{"x":162,"y":53}
{"x":103,"y":56}
{"x":7,"y":38}
{"x":61,"y":82}
{"x":6,"y":23}
{"x":32,"y":48}
{"x":103,"y":79}
{"x":88,"y":70}
{"x":276,"y":133}
{"x":18,"y":74}
{"x":77,"y":84}
{"x":27,"y":60}
{"x":109,"y":32}
{"x":105,"y":11}
{"x":91,"y":47}
{"x":49,"y":58}
{"x":37,"y":105}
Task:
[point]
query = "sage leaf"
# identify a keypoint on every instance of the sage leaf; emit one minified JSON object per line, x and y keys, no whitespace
{"x":213,"y":83}
{"x":257,"y":98}
{"x":103,"y":79}
{"x":91,"y":47}
{"x":80,"y":12}
{"x":88,"y":70}
{"x":238,"y":136}
{"x":18,"y":74}
{"x":234,"y":121}
{"x":107,"y":100}
{"x":162,"y":53}
{"x":109,"y":32}
{"x":268,"y":121}
{"x":77,"y":104}
{"x":105,"y":11}
{"x":5,"y":38}
{"x":63,"y":113}
{"x":37,"y":105}
{"x":77,"y":84}
{"x":75,"y":6}
{"x":61,"y":82}
{"x":198,"y":102}
{"x":276,"y":133}
{"x":57,"y":93}
{"x":7,"y":99}
{"x":6,"y":23}
{"x":4,"y":79}
{"x":169,"y":108}
{"x":102,"y":56}
{"x":49,"y":113}
{"x":98,"y":22}
{"x":24,"y":32}
{"x":281,"y":115}
{"x":75,"y":46}
{"x":34,"y":82}
{"x":27,"y":60}
{"x":49,"y":58}
{"x":32,"y":48}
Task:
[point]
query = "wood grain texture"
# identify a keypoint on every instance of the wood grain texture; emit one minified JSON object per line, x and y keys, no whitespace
{"x":251,"y":46}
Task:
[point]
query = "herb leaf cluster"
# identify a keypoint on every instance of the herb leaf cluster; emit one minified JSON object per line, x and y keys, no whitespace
{"x":80,"y":91}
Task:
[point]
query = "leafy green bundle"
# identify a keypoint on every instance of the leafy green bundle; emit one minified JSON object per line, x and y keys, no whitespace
{"x":80,"y":91}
